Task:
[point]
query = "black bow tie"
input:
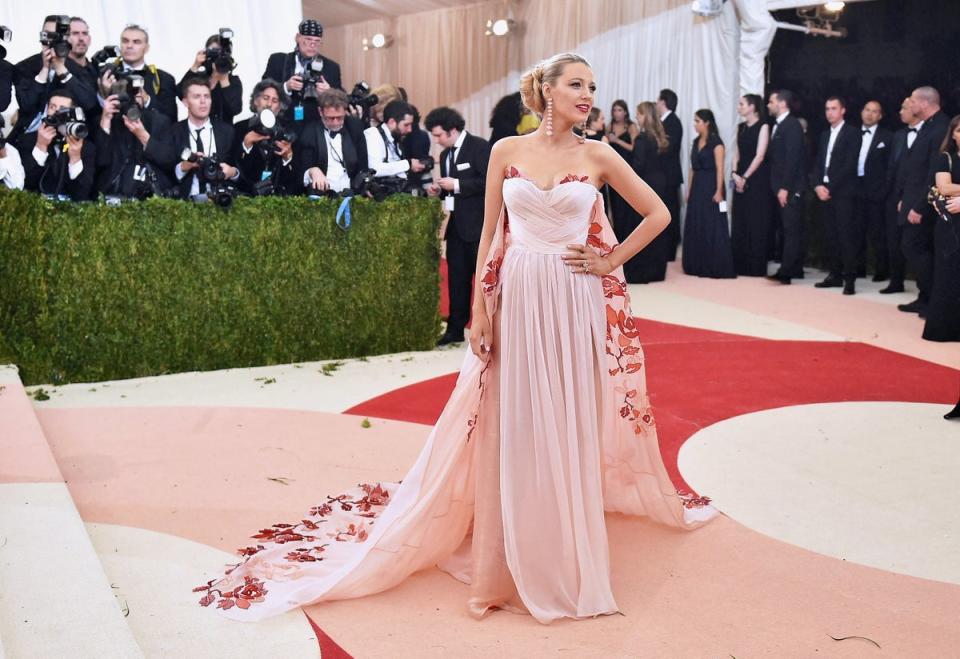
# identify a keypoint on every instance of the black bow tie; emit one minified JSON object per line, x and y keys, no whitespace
{"x":333,"y":133}
{"x":911,"y":130}
{"x":866,"y":131}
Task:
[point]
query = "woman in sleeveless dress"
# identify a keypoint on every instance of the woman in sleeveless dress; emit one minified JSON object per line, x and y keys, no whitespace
{"x":549,"y":424}
{"x":751,"y":196}
{"x":706,"y":236}
{"x":621,"y":134}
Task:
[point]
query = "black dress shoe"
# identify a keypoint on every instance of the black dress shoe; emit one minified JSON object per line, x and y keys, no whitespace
{"x":830,"y":282}
{"x":892,"y":287}
{"x":775,"y":276}
{"x":449,"y":338}
{"x":849,"y":287}
{"x":954,"y":413}
{"x":881,"y":276}
{"x":913,"y":307}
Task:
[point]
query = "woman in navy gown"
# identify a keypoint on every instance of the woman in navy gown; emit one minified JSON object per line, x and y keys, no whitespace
{"x":706,"y":236}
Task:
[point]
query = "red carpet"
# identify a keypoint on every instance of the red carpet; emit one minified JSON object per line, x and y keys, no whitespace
{"x":699,"y":377}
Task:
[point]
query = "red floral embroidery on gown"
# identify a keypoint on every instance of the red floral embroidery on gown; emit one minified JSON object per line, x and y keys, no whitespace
{"x":509,"y":492}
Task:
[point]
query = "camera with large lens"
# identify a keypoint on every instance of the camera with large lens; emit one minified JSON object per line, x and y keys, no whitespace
{"x":57,"y":39}
{"x":367,"y":183}
{"x":68,"y":122}
{"x":100,"y":57}
{"x":360,"y":95}
{"x":266,"y":123}
{"x":126,"y":86}
{"x":312,"y":74}
{"x":219,"y":188}
{"x":6,"y":36}
{"x":220,"y":57}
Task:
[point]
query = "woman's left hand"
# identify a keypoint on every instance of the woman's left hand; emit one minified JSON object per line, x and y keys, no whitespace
{"x":583,"y":260}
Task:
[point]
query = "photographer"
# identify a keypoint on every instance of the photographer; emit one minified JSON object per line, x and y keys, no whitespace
{"x":333,"y":151}
{"x":11,"y":167}
{"x":160,"y":86}
{"x":8,"y":72}
{"x":264,"y":159}
{"x":383,"y":142}
{"x":215,"y":62}
{"x":134,"y":150}
{"x":203,"y":143}
{"x":305,"y":73}
{"x":57,"y":159}
{"x":79,"y":39}
{"x":48,"y":71}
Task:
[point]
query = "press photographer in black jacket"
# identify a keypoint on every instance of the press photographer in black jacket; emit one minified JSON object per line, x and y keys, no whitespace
{"x":215,"y":63}
{"x":264,"y":158}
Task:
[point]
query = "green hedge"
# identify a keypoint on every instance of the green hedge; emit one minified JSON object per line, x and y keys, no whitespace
{"x":91,"y":292}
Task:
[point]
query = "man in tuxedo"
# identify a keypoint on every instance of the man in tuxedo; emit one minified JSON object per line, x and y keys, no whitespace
{"x":896,"y":179}
{"x":134,"y":155}
{"x":788,"y":182}
{"x":252,"y":151}
{"x":160,"y":86}
{"x":332,"y":151}
{"x":58,"y":164}
{"x":40,"y":75}
{"x":383,"y":142}
{"x":667,"y":106}
{"x":915,"y":215}
{"x":835,"y":181}
{"x":872,"y":188}
{"x":288,"y":68}
{"x":462,"y":183}
{"x":203,"y":136}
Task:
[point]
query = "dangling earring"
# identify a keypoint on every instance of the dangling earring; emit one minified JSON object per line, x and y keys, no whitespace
{"x":582,"y":137}
{"x":548,"y":117}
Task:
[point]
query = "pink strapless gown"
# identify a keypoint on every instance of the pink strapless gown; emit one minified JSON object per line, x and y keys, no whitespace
{"x":533,"y":446}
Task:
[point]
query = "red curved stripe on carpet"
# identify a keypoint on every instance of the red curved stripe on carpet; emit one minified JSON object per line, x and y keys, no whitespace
{"x":328,"y":647}
{"x":698,"y":377}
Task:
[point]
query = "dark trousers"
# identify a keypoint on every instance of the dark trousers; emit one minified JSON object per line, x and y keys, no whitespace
{"x":672,"y":202}
{"x":895,"y":258}
{"x":791,"y":221}
{"x":843,"y":238}
{"x":871,"y":225}
{"x":917,"y":243}
{"x":461,"y":264}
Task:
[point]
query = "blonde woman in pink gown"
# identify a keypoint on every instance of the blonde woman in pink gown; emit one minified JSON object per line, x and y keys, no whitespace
{"x":549,"y":424}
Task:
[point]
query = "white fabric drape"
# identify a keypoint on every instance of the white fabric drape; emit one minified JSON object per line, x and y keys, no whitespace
{"x":178,"y":29}
{"x":757,"y":29}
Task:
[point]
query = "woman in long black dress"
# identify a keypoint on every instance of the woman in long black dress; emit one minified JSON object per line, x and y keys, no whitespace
{"x":751,"y":196}
{"x":943,"y":311}
{"x":621,"y":135}
{"x":706,"y":236}
{"x":647,"y":159}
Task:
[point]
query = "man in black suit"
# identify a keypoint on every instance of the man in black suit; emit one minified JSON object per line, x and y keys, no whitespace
{"x":462,"y":183}
{"x":332,"y":151}
{"x":160,"y":86}
{"x":896,"y":179}
{"x":872,"y":188}
{"x":203,"y":136}
{"x":288,"y":68}
{"x":40,"y":75}
{"x":135,"y":154}
{"x":226,"y":89}
{"x":788,"y":181}
{"x":915,"y":215}
{"x":835,"y":181}
{"x":667,"y":106}
{"x":57,"y":163}
{"x":255,"y":159}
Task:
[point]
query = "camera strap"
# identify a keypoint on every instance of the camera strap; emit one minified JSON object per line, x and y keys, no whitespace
{"x":386,"y":145}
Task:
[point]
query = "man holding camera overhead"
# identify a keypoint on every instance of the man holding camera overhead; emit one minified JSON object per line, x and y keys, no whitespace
{"x":50,"y":70}
{"x":203,"y":143}
{"x":159,"y":85}
{"x":215,"y":62}
{"x":305,"y":73}
{"x":57,"y":157}
{"x":134,"y":150}
{"x":263,"y":155}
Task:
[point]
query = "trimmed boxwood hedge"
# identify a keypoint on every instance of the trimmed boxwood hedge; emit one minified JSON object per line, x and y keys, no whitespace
{"x":90,"y":292}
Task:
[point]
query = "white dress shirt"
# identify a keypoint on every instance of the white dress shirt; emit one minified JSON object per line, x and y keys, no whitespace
{"x":865,"y":142}
{"x":780,"y":118}
{"x":834,"y":132}
{"x":11,"y":168}
{"x":456,"y":152}
{"x":665,"y":115}
{"x":912,"y":136}
{"x":209,"y":149}
{"x":377,"y":151}
{"x":74,"y":169}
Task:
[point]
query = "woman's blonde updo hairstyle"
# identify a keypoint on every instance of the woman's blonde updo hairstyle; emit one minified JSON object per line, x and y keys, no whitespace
{"x":546,"y":72}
